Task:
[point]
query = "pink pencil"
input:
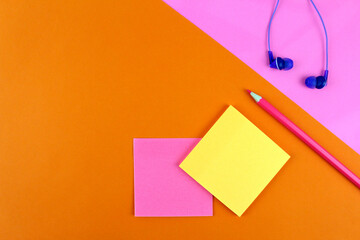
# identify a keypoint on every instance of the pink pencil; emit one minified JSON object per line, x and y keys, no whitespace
{"x":306,"y":138}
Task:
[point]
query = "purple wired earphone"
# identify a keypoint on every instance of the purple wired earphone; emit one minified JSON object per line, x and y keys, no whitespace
{"x":286,"y":63}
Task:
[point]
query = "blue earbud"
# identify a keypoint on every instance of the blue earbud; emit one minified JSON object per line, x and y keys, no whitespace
{"x":286,"y":63}
{"x":317,"y":82}
{"x":280,"y":63}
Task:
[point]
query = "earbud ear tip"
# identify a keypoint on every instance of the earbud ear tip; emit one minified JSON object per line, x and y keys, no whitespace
{"x":288,"y":64}
{"x":310,"y":82}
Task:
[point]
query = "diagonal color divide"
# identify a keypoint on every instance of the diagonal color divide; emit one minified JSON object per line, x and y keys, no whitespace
{"x":241,"y":27}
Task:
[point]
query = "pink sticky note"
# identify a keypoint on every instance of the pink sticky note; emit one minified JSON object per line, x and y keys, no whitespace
{"x":296,"y":32}
{"x":162,"y":188}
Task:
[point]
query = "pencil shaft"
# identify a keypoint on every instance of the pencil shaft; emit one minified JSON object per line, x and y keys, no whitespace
{"x":309,"y":141}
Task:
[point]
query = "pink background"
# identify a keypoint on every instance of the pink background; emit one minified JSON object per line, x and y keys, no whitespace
{"x":162,"y":188}
{"x":241,"y":27}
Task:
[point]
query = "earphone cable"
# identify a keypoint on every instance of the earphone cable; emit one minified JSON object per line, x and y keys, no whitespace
{"x":326,"y":37}
{"x":272,"y":16}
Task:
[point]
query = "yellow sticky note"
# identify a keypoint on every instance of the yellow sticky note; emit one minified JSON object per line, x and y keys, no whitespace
{"x":234,"y":161}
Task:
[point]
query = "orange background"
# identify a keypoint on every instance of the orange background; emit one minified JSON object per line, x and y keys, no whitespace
{"x":81,"y":79}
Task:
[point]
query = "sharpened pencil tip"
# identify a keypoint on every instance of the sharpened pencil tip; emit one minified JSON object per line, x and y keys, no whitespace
{"x":248,"y":90}
{"x":256,"y":97}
